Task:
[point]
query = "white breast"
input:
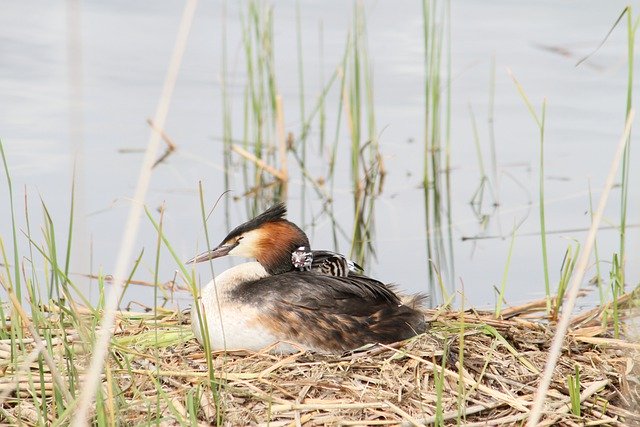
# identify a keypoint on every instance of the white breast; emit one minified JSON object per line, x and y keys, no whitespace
{"x":232,"y":325}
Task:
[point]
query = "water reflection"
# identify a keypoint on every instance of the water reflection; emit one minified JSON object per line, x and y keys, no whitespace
{"x":108,"y":88}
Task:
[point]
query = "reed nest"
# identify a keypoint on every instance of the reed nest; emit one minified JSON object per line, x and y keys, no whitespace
{"x":469,"y":369}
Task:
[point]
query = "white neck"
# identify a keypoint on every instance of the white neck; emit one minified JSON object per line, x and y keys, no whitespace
{"x":239,"y":274}
{"x":232,"y":324}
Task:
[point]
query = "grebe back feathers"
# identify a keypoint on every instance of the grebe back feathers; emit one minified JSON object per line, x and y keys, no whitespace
{"x":330,"y":314}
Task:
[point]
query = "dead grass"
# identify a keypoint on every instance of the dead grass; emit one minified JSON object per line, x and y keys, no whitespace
{"x":155,"y":374}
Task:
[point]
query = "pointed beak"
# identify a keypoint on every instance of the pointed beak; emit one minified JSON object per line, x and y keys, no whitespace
{"x":218,"y":252}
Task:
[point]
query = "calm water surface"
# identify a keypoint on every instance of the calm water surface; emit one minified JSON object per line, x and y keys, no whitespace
{"x":78,"y":86}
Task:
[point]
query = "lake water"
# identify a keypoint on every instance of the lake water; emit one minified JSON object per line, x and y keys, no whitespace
{"x":78,"y":83}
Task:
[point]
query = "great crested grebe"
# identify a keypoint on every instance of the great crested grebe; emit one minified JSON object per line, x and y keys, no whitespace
{"x":316,"y":300}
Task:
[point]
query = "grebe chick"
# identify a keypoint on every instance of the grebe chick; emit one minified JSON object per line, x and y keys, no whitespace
{"x":302,"y":258}
{"x":255,"y":304}
{"x":325,"y":262}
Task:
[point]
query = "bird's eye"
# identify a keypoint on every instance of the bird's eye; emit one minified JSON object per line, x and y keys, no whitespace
{"x":239,"y":238}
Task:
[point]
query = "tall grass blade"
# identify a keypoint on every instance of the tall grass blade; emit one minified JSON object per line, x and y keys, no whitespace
{"x":227,"y":127}
{"x":367,"y":170}
{"x":16,"y":256}
{"x":617,"y":289}
{"x":437,"y":197}
{"x":540,"y":122}
{"x":301,"y":101}
{"x":503,"y":283}
{"x":624,"y":190}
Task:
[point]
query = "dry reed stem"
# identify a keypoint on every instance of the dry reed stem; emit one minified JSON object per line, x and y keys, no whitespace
{"x":259,"y":162}
{"x":576,"y":278}
{"x":168,"y":286}
{"x":596,"y":313}
{"x":609,"y":342}
{"x":282,"y":144}
{"x":40,"y":346}
{"x":7,"y":388}
{"x":103,"y":335}
{"x":171,"y":147}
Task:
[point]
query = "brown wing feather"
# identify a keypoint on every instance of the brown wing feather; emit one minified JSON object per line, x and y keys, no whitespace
{"x":331,"y":313}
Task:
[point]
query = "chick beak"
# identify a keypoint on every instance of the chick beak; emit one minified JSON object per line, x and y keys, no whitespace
{"x":218,"y":252}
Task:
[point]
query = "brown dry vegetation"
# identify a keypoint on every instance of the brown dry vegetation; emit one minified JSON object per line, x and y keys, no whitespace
{"x":470,"y":369}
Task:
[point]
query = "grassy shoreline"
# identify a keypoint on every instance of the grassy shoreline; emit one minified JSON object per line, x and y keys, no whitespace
{"x":471,"y":367}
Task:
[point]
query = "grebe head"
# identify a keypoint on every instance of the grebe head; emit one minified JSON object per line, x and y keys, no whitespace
{"x":302,"y":258}
{"x":269,"y":238}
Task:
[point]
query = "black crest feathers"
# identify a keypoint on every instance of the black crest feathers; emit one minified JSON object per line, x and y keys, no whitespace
{"x":276,"y":212}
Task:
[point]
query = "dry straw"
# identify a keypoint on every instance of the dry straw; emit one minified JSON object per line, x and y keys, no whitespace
{"x":576,"y":279}
{"x":156,"y":371}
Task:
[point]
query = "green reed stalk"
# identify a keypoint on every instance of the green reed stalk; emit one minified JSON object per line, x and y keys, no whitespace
{"x":566,"y":271}
{"x":307,"y":124}
{"x":214,"y":385}
{"x":227,"y":123}
{"x":595,"y":255}
{"x":374,"y":170}
{"x":323,"y":115}
{"x":436,"y":159}
{"x":540,"y":122}
{"x":490,"y":125}
{"x":427,"y":151}
{"x":200,"y":316}
{"x":505,"y":274}
{"x":246,"y":122}
{"x":193,"y":405}
{"x":366,"y":167}
{"x":16,"y":328}
{"x":624,"y":191}
{"x":477,"y":200}
{"x":573,"y":384}
{"x":462,"y":396}
{"x":301,"y":102}
{"x":333,"y":154}
{"x":67,"y":315}
{"x":617,"y":289}
{"x":336,"y":138}
{"x":35,"y":281}
{"x":447,"y":176}
{"x":70,"y":229}
{"x":260,"y":118}
{"x":16,"y":256}
{"x":156,"y":282}
{"x":50,"y":241}
{"x":438,"y":378}
{"x":354,"y":113}
{"x":543,"y":227}
{"x":48,"y":259}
